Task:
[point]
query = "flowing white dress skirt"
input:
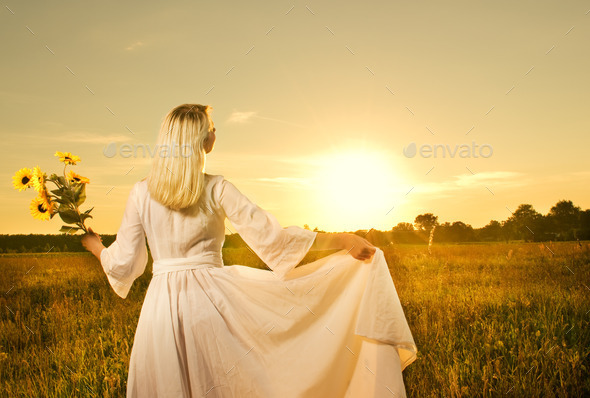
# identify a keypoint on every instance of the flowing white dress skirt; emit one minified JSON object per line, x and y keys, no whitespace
{"x":334,"y":327}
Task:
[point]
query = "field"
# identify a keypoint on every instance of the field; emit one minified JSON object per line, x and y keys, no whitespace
{"x":488,"y":320}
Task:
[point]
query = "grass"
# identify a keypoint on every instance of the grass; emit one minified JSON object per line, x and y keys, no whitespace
{"x":488,"y":320}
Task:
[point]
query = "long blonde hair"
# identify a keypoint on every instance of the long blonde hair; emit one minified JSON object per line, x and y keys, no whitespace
{"x":177,"y":177}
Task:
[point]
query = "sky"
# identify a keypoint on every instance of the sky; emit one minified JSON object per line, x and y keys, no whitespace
{"x":339,"y":115}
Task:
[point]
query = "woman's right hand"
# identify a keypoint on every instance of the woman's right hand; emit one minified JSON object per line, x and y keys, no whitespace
{"x":359,"y":248}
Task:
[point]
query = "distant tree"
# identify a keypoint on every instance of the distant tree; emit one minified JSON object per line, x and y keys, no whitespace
{"x":585,"y":225}
{"x":522,"y":223}
{"x":443,"y":232}
{"x":305,"y":226}
{"x":544,"y":229}
{"x":403,"y":226}
{"x":377,"y":238}
{"x":565,"y":218}
{"x":492,"y":231}
{"x":458,"y":231}
{"x":425,"y":222}
{"x":461,"y":232}
{"x":404,"y":232}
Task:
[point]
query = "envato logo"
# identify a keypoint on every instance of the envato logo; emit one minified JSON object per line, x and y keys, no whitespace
{"x":440,"y":150}
{"x":133,"y":150}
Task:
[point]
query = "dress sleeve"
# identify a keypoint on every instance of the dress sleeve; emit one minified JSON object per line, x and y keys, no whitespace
{"x":280,"y":248}
{"x":126,"y":258}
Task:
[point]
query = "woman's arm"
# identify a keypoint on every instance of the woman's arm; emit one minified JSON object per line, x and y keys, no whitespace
{"x":358,"y":247}
{"x":328,"y":241}
{"x":93,"y":243}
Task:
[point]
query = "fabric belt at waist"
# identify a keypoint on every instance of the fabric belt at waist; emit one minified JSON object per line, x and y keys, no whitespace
{"x":203,"y":260}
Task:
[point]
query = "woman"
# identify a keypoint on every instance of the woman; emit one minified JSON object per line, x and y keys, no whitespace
{"x":330,"y":328}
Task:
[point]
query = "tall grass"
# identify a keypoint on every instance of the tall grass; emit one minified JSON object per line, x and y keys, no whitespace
{"x":488,"y":320}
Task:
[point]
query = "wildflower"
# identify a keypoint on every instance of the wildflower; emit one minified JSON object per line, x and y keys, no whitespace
{"x":67,"y":157}
{"x":22,"y":179}
{"x":47,"y":202}
{"x":38,"y":179}
{"x":38,"y":209}
{"x":76,"y":178}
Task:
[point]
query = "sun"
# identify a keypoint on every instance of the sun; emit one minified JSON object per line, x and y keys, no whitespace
{"x":356,"y":188}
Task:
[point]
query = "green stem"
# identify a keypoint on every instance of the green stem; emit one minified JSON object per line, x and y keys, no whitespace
{"x":81,"y":223}
{"x":73,"y":207}
{"x":65,"y":177}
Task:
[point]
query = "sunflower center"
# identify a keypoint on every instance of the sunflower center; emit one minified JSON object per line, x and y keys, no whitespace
{"x":25,"y":180}
{"x":41,"y":208}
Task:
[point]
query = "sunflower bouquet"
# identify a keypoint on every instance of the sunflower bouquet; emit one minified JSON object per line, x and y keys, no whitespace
{"x":65,"y":200}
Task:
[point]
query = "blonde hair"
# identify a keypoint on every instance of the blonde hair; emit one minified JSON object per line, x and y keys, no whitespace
{"x":177,"y":180}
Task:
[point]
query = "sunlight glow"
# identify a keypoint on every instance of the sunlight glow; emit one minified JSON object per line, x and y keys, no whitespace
{"x":356,"y":187}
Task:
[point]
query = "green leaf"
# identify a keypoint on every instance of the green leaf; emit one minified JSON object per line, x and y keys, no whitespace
{"x":88,"y":211}
{"x":69,"y":230}
{"x":53,"y":177}
{"x":65,"y":193}
{"x":68,"y":216}
{"x":59,"y":191}
{"x":80,"y":194}
{"x":84,"y":216}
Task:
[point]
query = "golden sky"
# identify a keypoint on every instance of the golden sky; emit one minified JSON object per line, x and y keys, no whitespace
{"x":313,"y":103}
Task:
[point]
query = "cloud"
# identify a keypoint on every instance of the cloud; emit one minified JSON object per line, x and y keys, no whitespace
{"x":241,"y":117}
{"x":281,"y":121}
{"x":245,"y":117}
{"x":491,"y":180}
{"x":135,"y":45}
{"x":39,"y":139}
{"x":91,"y":138}
{"x":289,"y":181}
{"x":486,"y":178}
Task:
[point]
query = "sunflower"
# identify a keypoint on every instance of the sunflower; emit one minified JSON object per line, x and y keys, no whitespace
{"x":22,"y":179}
{"x":77,"y":178}
{"x":38,"y":179}
{"x":39,"y":210}
{"x":67,"y":157}
{"x":47,"y":202}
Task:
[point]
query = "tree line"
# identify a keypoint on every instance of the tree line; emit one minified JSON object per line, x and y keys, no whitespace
{"x":564,"y":221}
{"x":57,"y":243}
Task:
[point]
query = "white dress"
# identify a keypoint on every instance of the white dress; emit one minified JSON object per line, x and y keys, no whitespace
{"x":331,"y":328}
